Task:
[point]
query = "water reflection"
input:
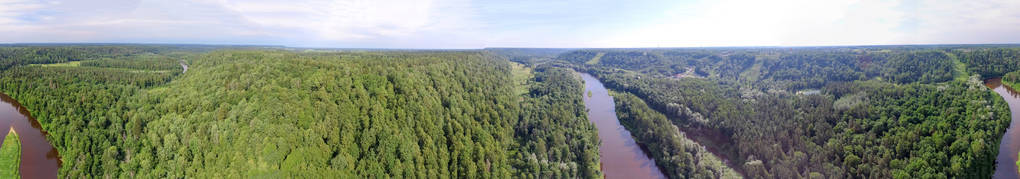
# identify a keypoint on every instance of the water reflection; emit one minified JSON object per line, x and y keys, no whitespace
{"x":620,"y":154}
{"x":38,"y":157}
{"x":1005,"y":166}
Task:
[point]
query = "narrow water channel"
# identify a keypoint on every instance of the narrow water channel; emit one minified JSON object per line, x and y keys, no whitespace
{"x":38,"y":157}
{"x":621,"y":156}
{"x":1005,"y":167}
{"x":185,"y":66}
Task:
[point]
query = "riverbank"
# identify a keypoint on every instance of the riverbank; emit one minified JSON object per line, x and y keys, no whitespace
{"x":10,"y":155}
{"x":1006,"y":161}
{"x":678,"y":154}
{"x":185,"y":66}
{"x":36,"y":151}
{"x":1012,"y":80}
{"x":1013,"y":85}
{"x":621,"y":156}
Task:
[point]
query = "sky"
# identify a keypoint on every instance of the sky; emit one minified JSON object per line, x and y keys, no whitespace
{"x":431,"y":24}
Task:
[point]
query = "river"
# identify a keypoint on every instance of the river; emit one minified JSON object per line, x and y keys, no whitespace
{"x":38,"y":157}
{"x":1005,"y":167}
{"x":185,"y":66}
{"x":621,"y":155}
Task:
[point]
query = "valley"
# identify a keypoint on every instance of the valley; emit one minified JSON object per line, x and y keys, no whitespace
{"x":832,"y":112}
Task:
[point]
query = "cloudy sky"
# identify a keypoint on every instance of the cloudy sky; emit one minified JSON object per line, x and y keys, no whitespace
{"x":512,"y":23}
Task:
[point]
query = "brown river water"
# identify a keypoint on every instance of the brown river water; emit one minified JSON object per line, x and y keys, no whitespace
{"x":1005,"y":167}
{"x":38,"y":157}
{"x":621,"y":156}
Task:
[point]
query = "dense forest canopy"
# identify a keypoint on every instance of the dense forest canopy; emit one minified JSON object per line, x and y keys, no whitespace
{"x":860,"y":112}
{"x":275,"y":113}
{"x":123,"y":111}
{"x":679,"y":156}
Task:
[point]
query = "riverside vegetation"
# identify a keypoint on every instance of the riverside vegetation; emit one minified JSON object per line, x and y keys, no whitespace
{"x":10,"y":155}
{"x":859,"y":112}
{"x":831,"y":112}
{"x":129,"y":111}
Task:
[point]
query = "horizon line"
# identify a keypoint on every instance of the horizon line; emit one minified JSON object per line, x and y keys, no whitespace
{"x":482,"y":48}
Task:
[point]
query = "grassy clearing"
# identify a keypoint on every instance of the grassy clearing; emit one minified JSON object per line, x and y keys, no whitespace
{"x":959,"y":69}
{"x":753,"y":73}
{"x":65,"y":64}
{"x":150,"y":71}
{"x":521,"y":75}
{"x":10,"y":155}
{"x":78,"y":64}
{"x":595,"y":60}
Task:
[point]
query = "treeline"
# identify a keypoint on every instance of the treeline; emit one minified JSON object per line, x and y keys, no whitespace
{"x":812,"y":69}
{"x":990,"y":62}
{"x":20,"y":55}
{"x":269,"y":113}
{"x":150,"y":62}
{"x":60,"y":76}
{"x":527,"y":55}
{"x":922,"y":67}
{"x":1012,"y":79}
{"x":782,"y":68}
{"x":678,"y":156}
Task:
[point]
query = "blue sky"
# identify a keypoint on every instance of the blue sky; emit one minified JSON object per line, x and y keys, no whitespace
{"x":514,"y":23}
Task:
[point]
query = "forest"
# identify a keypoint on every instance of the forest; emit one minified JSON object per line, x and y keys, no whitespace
{"x":679,"y":156}
{"x":251,"y":112}
{"x":131,"y":111}
{"x":817,"y":112}
{"x":1012,"y":79}
{"x":990,"y":62}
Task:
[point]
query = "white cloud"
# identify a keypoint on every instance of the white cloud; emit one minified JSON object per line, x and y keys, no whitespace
{"x":838,"y":22}
{"x":986,"y":21}
{"x":125,"y":21}
{"x":754,"y":23}
{"x":526,"y":23}
{"x":339,"y":20}
{"x":12,"y":10}
{"x":849,"y":23}
{"x":329,"y":22}
{"x":302,"y":22}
